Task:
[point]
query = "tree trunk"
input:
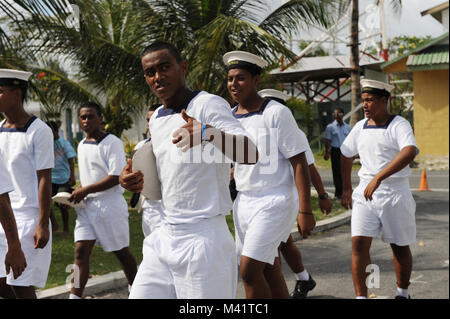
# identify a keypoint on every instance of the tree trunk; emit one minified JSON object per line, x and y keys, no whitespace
{"x":354,"y":62}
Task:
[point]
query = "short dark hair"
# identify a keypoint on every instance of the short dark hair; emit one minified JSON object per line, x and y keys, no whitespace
{"x":153,"y":107}
{"x":53,"y":125}
{"x":161,"y":45}
{"x":93,"y":105}
{"x":339,"y":109}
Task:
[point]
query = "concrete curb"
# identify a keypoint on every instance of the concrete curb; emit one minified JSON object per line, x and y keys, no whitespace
{"x":95,"y":285}
{"x":117,"y":280}
{"x":326,"y":224}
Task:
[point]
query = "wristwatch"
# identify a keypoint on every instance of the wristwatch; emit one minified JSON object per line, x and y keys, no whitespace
{"x":323,"y":196}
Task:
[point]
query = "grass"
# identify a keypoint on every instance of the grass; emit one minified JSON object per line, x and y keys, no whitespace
{"x":321,"y":163}
{"x":102,"y":263}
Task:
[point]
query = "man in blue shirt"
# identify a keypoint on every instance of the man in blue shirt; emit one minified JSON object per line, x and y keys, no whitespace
{"x":63,"y":175}
{"x":335,"y":134}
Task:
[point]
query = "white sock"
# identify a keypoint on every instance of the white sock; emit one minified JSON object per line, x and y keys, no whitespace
{"x":129,"y":288}
{"x":72,"y":296}
{"x":302,"y":275}
{"x":402,"y":292}
{"x":361,"y":297}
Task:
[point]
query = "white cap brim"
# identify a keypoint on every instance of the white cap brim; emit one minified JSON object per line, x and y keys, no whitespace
{"x":243,"y":56}
{"x":268,"y":93}
{"x":14,"y":74}
{"x":366,"y":83}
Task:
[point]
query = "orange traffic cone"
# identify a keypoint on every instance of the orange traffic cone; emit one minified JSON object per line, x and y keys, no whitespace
{"x":424,"y":183}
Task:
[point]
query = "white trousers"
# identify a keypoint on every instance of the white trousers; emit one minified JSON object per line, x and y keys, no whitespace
{"x":262,"y":220}
{"x":391,"y":212}
{"x":105,"y":220}
{"x":151,"y":216}
{"x":189,"y":261}
{"x":38,"y":260}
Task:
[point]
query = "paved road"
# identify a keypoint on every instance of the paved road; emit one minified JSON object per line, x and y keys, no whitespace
{"x":327,"y":255}
{"x":437,"y":180}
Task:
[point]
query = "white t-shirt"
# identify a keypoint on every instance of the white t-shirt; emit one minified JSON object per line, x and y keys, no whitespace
{"x":98,"y":160}
{"x":193,"y":188}
{"x":378,"y":145}
{"x":25,"y":151}
{"x":6,"y":185}
{"x":309,"y":154}
{"x":278,"y":138}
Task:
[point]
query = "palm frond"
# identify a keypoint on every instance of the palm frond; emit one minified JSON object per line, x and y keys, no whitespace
{"x":290,"y":16}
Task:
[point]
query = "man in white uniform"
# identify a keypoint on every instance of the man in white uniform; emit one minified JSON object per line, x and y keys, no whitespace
{"x":268,"y":200}
{"x":26,"y":145}
{"x":290,"y":252}
{"x":14,"y":259}
{"x":382,"y":202}
{"x":151,"y":209}
{"x":191,"y":255}
{"x":104,"y":220}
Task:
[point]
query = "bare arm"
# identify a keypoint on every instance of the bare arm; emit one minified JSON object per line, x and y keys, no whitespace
{"x":305,"y":219}
{"x":42,"y":233}
{"x":15,"y":258}
{"x":324,"y":204}
{"x":327,"y":149}
{"x":105,"y":183}
{"x":346,"y":170}
{"x":238,"y":148}
{"x":243,"y":150}
{"x":72,"y":181}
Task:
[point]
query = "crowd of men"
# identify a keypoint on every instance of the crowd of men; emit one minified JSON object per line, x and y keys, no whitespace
{"x":188,"y":250}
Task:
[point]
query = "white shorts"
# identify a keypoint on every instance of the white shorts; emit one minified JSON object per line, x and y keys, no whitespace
{"x":151,"y":216}
{"x":262,"y":221}
{"x":190,"y":261}
{"x":105,"y":220}
{"x":38,"y":260}
{"x":392,"y":212}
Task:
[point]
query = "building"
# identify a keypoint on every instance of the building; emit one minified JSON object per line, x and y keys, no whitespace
{"x":429,"y":66}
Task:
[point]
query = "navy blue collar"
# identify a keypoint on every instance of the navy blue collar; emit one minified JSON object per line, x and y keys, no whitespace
{"x":18,"y":129}
{"x":166,"y":111}
{"x":385,"y":126}
{"x":97,"y":142}
{"x":258,"y":112}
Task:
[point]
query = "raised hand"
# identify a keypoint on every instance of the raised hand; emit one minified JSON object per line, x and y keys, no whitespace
{"x":189,"y":135}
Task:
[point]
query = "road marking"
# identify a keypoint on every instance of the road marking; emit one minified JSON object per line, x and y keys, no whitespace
{"x":416,"y":281}
{"x":444,"y":190}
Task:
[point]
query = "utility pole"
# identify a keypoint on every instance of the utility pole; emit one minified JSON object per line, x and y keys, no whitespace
{"x":384,"y":39}
{"x":354,"y":62}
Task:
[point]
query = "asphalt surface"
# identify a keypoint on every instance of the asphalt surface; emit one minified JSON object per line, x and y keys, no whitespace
{"x":327,"y":255}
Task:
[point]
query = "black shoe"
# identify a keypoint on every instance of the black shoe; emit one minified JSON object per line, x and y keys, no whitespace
{"x":302,"y":287}
{"x":401,"y":297}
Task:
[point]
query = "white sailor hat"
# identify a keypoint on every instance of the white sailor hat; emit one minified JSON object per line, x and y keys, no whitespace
{"x":244,"y":60}
{"x":271,"y":93}
{"x":10,"y":77}
{"x":376,"y":87}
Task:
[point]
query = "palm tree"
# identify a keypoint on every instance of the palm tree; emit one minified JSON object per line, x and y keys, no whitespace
{"x":354,"y":55}
{"x":105,"y":51}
